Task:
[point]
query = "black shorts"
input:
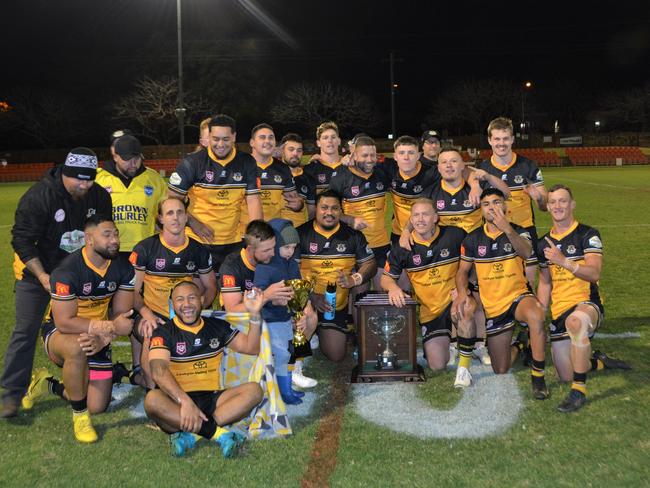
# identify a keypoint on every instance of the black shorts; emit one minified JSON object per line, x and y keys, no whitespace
{"x":135,"y":332}
{"x":380,"y":255}
{"x":506,"y":321}
{"x":557,"y":327}
{"x":438,"y":327}
{"x":340,"y":322}
{"x":206,"y":400}
{"x":394,"y":239}
{"x":534,"y":258}
{"x":220,"y":251}
{"x":99,"y":362}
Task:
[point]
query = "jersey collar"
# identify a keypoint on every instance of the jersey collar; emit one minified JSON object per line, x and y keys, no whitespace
{"x":358,"y":173}
{"x":418,"y":167}
{"x":187,"y":328}
{"x":491,"y":236}
{"x":494,"y":162}
{"x":428,"y":242}
{"x":296,"y":172}
{"x":100,"y":271}
{"x":559,"y":237}
{"x":325,"y":233}
{"x":222,"y":162}
{"x":449,"y":189}
{"x":173,"y":249}
{"x":265,"y":165}
{"x":244,"y":258}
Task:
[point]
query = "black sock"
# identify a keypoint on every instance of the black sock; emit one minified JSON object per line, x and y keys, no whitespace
{"x":55,"y":387}
{"x":79,"y":405}
{"x":538,"y":368}
{"x":208,"y":429}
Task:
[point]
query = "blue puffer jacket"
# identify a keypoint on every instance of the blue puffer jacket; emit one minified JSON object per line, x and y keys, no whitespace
{"x":278,"y":269}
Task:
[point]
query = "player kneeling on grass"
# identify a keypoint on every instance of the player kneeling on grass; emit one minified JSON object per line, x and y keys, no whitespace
{"x":185,"y":359}
{"x":571,"y":259}
{"x":77,"y":334}
{"x":498,"y":252}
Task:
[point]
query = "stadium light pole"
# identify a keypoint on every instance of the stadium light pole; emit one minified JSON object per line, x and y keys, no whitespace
{"x":180,"y":110}
{"x":525,"y":87}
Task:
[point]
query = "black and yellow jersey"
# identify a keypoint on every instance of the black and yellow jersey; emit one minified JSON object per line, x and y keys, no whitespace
{"x":324,"y":253}
{"x":500,"y":271}
{"x":406,"y":189}
{"x":519,"y":173}
{"x":165,"y":265}
{"x":364,"y":196}
{"x":454,"y":207}
{"x":76,"y":278}
{"x":322,"y":173}
{"x":195,"y":352}
{"x":568,"y":290}
{"x":237,"y":273}
{"x":431,"y":267}
{"x":306,"y":188}
{"x":216,"y":189}
{"x":135,"y":203}
{"x":273,"y":179}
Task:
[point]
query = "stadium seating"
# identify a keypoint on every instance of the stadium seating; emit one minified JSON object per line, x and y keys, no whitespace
{"x":605,"y":156}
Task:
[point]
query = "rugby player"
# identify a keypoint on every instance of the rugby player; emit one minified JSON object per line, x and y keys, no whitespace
{"x":185,"y":359}
{"x":431,"y":266}
{"x":497,"y":251}
{"x":292,"y":150}
{"x":571,"y":260}
{"x":48,"y":226}
{"x":217,"y":180}
{"x":323,"y":165}
{"x":275,"y":181}
{"x":333,"y":252}
{"x":161,"y":261}
{"x":78,"y":333}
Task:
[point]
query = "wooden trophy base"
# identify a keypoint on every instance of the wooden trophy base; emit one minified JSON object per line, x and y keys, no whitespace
{"x":370,"y":374}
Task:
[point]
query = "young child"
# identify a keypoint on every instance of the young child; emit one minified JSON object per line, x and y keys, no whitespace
{"x":283,"y":266}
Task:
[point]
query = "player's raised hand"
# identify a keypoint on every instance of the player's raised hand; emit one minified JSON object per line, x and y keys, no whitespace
{"x":553,"y":254}
{"x":253,"y":301}
{"x":499,"y":218}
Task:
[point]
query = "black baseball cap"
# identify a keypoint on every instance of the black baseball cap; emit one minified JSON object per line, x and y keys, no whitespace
{"x":127,"y":147}
{"x":119,"y":133}
{"x":430,"y":134}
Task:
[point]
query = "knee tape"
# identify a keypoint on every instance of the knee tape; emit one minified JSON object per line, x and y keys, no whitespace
{"x":581,"y":339}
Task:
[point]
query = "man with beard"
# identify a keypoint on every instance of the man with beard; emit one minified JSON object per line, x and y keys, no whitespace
{"x":160,"y":262}
{"x":323,"y":165}
{"x":48,"y":226}
{"x":431,"y":147}
{"x":217,"y":180}
{"x":292,"y":150}
{"x":276,"y":185}
{"x":185,"y":358}
{"x":78,"y":332}
{"x":331,"y":252}
{"x":363,"y":188}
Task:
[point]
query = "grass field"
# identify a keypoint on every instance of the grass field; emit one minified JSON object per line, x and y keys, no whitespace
{"x":605,"y":444}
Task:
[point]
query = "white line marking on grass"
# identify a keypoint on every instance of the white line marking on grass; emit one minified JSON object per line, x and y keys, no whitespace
{"x":121,"y":343}
{"x":487,"y":408}
{"x":601,"y":184}
{"x":622,"y":335}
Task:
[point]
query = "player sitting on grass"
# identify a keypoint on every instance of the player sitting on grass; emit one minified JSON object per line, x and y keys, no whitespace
{"x":185,"y":359}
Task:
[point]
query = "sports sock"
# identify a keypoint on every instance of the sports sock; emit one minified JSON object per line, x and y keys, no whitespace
{"x":537,"y":368}
{"x":579,"y":382}
{"x":55,"y":387}
{"x":208,"y":429}
{"x":219,"y":432}
{"x":78,"y":406}
{"x":465,"y":349}
{"x":597,"y":364}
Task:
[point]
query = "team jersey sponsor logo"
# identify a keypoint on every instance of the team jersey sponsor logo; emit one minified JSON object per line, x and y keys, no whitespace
{"x":62,"y":288}
{"x":157,"y":342}
{"x":59,"y":215}
{"x":434,"y":273}
{"x":87,"y":288}
{"x":175,"y":178}
{"x":519,"y":179}
{"x":237,"y":177}
{"x":498,"y":267}
{"x":160,"y":263}
{"x":277,"y":179}
{"x":440,"y":204}
{"x":200,"y":364}
{"x":228,"y":280}
{"x":327,"y":264}
{"x":417,"y":260}
{"x":112,"y":286}
{"x":73,"y":240}
{"x":181,"y":348}
{"x":148,"y":190}
{"x":341,"y":247}
{"x":209,"y":176}
{"x":355,"y":191}
{"x":248,"y":284}
{"x":214,"y":343}
{"x":133,"y":258}
{"x":322,"y":178}
{"x":313,"y":247}
{"x":507,"y":247}
{"x":571,"y":249}
{"x":444,"y":253}
{"x":482,"y":250}
{"x":595,"y":242}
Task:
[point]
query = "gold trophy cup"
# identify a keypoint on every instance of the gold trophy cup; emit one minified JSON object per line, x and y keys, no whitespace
{"x":301,"y":291}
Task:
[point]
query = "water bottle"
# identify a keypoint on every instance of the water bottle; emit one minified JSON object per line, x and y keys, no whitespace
{"x":330,"y":298}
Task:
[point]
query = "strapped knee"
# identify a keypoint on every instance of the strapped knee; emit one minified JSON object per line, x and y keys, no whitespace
{"x":581,"y":337}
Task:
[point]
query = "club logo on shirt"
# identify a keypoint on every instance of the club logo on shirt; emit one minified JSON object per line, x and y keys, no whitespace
{"x":303,"y":189}
{"x":519,"y":179}
{"x":482,"y":250}
{"x":355,"y":191}
{"x":595,"y":242}
{"x":209,"y":176}
{"x":237,"y":177}
{"x":380,"y":186}
{"x":277,"y":179}
{"x":191,"y":266}
{"x":417,"y":259}
{"x":507,"y":247}
{"x":148,"y":190}
{"x":214,"y":343}
{"x":91,"y":212}
{"x":322,"y":178}
{"x":440,"y":204}
{"x":112,"y":286}
{"x":160,"y":263}
{"x":417,"y":188}
{"x":59,"y":215}
{"x":175,"y":179}
{"x":369,"y":250}
{"x":87,"y":288}
{"x":248,"y":284}
{"x":313,"y":247}
{"x":444,"y":253}
{"x":341,"y":247}
{"x":571,"y":249}
{"x":181,"y":348}
{"x":467,"y":204}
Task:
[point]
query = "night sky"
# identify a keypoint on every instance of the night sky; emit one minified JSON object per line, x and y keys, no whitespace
{"x":96,"y":48}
